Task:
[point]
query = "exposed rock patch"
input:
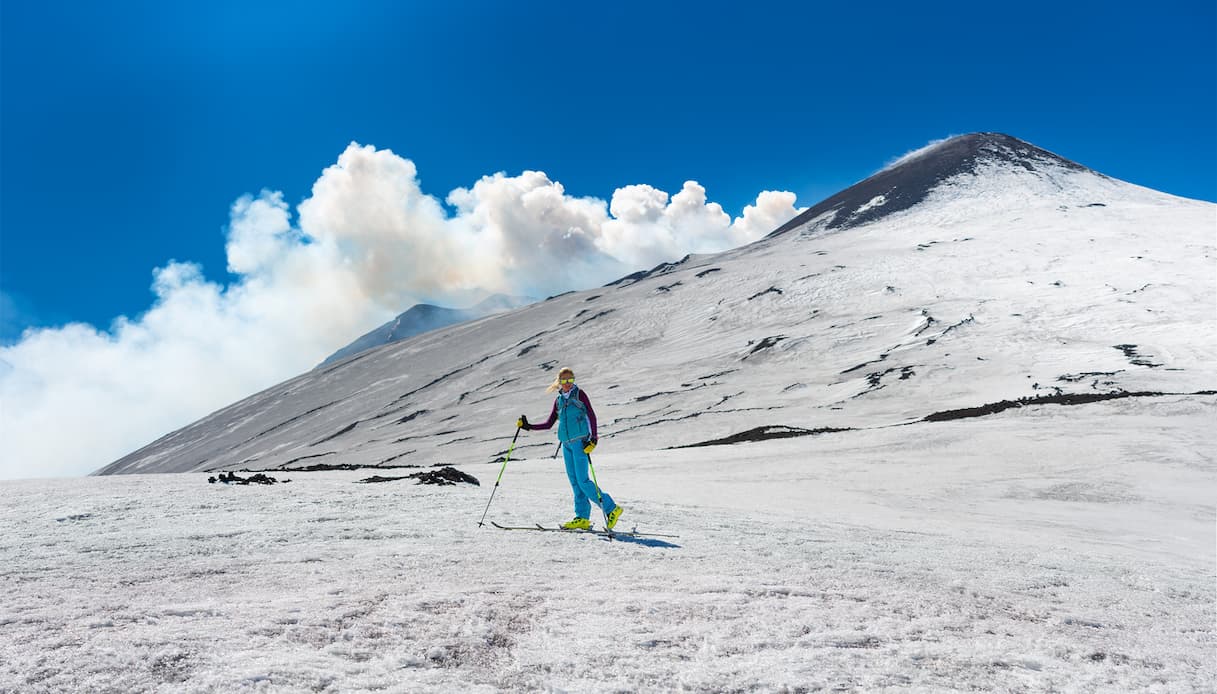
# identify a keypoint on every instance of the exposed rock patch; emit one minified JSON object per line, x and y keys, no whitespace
{"x":444,"y":476}
{"x":306,"y":457}
{"x":1063,"y":399}
{"x":323,"y":467}
{"x":660,"y":269}
{"x":409,"y":417}
{"x":598,"y":315}
{"x":232,"y":478}
{"x":771,"y":290}
{"x":280,"y":425}
{"x":765,"y":344}
{"x":875,"y":379}
{"x":335,"y":435}
{"x":764,"y":433}
{"x":1130,"y":351}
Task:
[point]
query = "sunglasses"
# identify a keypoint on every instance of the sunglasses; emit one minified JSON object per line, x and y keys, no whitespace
{"x":566,"y":381}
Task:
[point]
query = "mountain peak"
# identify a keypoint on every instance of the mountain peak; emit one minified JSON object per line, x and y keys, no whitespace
{"x":908,"y":180}
{"x":421,"y":318}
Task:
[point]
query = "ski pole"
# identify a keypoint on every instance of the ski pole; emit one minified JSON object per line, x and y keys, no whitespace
{"x":599,"y":498}
{"x":500,"y":479}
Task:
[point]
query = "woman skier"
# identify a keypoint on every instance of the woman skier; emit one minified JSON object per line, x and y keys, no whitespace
{"x":577,"y":431}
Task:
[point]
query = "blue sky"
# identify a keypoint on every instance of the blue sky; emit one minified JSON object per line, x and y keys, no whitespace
{"x":199,"y":200}
{"x":130,"y":128}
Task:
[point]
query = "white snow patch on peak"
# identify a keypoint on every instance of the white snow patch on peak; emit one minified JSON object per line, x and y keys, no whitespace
{"x":877,"y":201}
{"x":1004,"y":186}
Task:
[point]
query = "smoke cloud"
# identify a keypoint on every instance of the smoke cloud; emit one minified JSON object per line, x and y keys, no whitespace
{"x":364,"y":246}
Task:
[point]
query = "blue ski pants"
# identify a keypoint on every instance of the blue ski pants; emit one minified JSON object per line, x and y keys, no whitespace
{"x":580,"y":483}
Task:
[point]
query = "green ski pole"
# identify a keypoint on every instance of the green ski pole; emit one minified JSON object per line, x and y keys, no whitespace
{"x":500,"y":479}
{"x":599,"y":498}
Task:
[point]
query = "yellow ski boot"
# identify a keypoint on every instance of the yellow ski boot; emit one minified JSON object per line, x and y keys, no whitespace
{"x":577,"y":524}
{"x":613,"y":515}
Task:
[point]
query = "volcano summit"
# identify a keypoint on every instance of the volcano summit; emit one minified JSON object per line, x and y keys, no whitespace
{"x":908,"y":181}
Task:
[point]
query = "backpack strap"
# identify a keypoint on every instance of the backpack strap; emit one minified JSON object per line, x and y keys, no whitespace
{"x":574,"y":397}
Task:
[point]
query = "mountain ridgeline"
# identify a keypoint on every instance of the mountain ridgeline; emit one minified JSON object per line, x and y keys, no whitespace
{"x":973,"y":273}
{"x":422,"y":318}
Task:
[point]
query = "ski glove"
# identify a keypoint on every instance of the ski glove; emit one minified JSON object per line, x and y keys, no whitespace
{"x":591,"y":446}
{"x":522,"y":423}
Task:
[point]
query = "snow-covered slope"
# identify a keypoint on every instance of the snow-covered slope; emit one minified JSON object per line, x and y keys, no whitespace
{"x":979,"y":271}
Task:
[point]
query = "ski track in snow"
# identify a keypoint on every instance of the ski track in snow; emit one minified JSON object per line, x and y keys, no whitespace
{"x":865,"y":561}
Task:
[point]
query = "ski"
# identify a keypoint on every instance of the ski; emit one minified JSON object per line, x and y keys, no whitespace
{"x":592,"y":531}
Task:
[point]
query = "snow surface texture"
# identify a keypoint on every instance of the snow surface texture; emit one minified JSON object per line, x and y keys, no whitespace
{"x":956,"y":509}
{"x":1040,"y":549}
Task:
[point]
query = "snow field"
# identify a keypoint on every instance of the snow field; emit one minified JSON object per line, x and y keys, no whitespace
{"x":909,"y":559}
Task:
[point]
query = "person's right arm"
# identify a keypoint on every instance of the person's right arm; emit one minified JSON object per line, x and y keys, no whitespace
{"x":553,"y":417}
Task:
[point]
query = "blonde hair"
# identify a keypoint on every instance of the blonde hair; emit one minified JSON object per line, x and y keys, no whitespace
{"x":564,"y":372}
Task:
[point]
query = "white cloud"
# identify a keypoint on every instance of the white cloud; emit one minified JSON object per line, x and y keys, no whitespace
{"x":367,"y":244}
{"x":648,"y":227}
{"x":772,"y":210}
{"x":524,"y":235}
{"x":260,"y":232}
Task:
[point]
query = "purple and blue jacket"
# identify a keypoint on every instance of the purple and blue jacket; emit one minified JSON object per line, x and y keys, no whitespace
{"x":574,"y":415}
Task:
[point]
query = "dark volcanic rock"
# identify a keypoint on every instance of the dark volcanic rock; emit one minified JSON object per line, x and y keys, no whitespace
{"x":231,"y":478}
{"x":909,"y":182}
{"x":660,"y":269}
{"x":777,"y":431}
{"x":446,"y":475}
{"x":322,"y":467}
{"x":1061,"y":399}
{"x":765,"y":344}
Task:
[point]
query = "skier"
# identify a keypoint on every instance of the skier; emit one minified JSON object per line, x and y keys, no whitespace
{"x":577,"y":431}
